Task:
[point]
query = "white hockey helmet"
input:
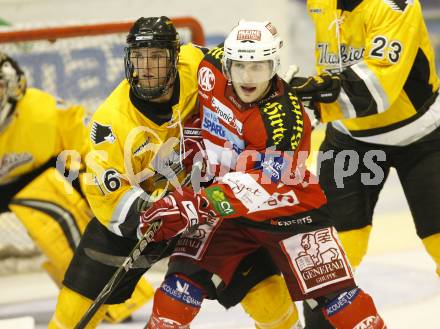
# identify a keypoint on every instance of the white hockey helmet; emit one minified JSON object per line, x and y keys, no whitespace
{"x":252,"y":42}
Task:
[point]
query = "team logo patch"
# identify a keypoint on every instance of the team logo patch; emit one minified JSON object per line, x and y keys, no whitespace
{"x":101,"y":133}
{"x":219,"y":201}
{"x":399,"y":5}
{"x":206,"y":79}
{"x":254,"y":35}
{"x":273,"y":167}
{"x":317,"y":259}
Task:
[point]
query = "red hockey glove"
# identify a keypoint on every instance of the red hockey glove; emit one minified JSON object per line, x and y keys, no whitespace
{"x":324,"y":88}
{"x":193,"y":142}
{"x":177,"y":212}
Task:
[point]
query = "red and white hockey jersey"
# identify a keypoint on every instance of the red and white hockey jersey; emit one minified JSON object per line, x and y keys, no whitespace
{"x":257,"y":151}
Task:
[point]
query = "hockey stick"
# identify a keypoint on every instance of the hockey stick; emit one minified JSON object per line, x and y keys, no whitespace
{"x":119,"y":274}
{"x":131,"y":258}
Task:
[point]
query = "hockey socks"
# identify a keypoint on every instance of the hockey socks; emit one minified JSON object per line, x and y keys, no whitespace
{"x":176,"y":303}
{"x":353,"y":309}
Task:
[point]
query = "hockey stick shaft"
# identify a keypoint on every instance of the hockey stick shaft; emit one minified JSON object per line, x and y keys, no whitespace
{"x":118,"y":275}
{"x":126,"y":265}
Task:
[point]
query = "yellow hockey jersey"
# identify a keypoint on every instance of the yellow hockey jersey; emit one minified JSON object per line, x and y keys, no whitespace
{"x":41,"y":127}
{"x":382,"y":51}
{"x":132,"y":155}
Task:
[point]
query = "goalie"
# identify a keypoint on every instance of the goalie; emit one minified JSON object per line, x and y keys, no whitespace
{"x":34,"y":129}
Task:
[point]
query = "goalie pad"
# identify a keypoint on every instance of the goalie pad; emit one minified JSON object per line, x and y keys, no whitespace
{"x":53,"y":218}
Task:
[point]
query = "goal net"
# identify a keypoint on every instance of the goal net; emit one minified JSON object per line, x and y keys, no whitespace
{"x":80,"y":64}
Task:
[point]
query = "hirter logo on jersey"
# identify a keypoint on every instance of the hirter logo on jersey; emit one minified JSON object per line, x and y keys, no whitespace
{"x":317,"y":259}
{"x":206,"y":79}
{"x":101,"y":133}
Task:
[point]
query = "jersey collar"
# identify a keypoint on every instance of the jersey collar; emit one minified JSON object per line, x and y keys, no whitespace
{"x":348,"y":5}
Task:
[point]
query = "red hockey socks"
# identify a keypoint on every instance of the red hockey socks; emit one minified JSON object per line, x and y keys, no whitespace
{"x":176,"y":303}
{"x":353,"y":309}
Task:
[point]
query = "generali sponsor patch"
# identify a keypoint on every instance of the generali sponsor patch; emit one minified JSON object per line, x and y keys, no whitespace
{"x":254,"y":35}
{"x":316,"y":259}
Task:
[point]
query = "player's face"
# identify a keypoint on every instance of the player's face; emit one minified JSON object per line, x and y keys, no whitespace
{"x":151,"y":66}
{"x":251,"y":79}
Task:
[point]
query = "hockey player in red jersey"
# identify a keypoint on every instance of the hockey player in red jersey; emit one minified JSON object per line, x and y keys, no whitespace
{"x":262,"y":196}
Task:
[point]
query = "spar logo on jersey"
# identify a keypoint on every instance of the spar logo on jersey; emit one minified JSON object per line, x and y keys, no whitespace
{"x":206,"y":79}
{"x":211,"y":123}
{"x":317,"y":259}
{"x":102,"y":133}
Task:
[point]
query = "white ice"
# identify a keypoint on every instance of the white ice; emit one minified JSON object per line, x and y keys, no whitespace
{"x":397,"y":272}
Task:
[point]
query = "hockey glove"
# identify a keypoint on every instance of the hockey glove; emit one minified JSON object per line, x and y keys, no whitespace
{"x":324,"y":88}
{"x":193,"y":142}
{"x":177,"y":212}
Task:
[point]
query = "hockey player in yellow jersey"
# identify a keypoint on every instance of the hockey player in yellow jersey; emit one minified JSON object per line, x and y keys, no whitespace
{"x":35,"y":128}
{"x":136,"y":156}
{"x":378,"y":89}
